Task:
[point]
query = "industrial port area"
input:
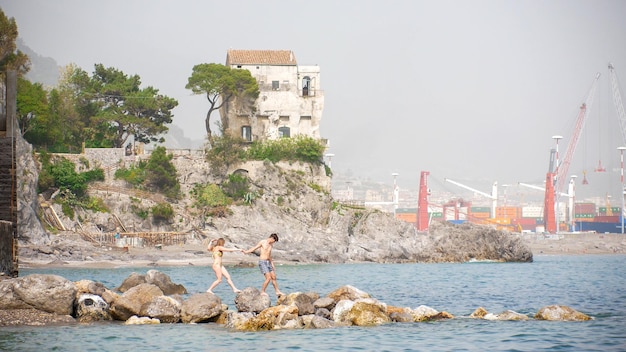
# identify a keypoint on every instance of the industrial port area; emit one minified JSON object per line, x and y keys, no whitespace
{"x":548,"y":207}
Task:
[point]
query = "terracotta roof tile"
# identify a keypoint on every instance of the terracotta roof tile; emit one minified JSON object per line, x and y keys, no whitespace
{"x":260,"y":57}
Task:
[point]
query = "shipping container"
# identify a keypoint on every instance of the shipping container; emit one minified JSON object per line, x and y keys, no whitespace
{"x":508,"y":212}
{"x":614,"y":218}
{"x":585,"y":208}
{"x":406,"y":210}
{"x":532,"y":212}
{"x":614,"y":210}
{"x":479,"y":215}
{"x":480,"y":210}
{"x":584,"y":215}
{"x":407,"y":217}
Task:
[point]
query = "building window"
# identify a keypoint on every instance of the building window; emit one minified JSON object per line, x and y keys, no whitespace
{"x":246,"y":133}
{"x":238,"y":66}
{"x":306,"y":85}
{"x":275,"y":85}
{"x":284,"y":131}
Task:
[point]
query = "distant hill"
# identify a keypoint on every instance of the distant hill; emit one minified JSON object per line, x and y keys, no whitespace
{"x":44,"y":70}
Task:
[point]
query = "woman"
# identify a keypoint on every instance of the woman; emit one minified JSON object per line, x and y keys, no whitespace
{"x":217,"y":247}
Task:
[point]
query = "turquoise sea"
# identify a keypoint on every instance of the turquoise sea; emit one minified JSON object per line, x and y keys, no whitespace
{"x":595,"y":285}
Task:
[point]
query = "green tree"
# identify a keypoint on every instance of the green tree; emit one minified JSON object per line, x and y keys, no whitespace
{"x":115,"y":107}
{"x":32,"y":107}
{"x":221,"y":84}
{"x":10,"y":58}
{"x":161,"y":173}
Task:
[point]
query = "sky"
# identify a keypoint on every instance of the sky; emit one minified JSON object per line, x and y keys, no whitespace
{"x":472,"y":91}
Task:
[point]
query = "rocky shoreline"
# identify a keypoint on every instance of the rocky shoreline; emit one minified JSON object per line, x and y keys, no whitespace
{"x":195,"y":253}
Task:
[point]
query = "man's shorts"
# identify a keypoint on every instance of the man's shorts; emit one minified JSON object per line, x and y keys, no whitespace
{"x":265,"y":266}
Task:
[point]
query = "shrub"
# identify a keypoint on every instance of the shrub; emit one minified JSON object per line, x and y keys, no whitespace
{"x":163,"y":212}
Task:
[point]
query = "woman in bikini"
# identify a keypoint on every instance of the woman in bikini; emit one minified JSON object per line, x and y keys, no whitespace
{"x":218,"y":249}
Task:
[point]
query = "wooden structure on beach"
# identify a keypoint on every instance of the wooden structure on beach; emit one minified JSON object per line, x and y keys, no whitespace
{"x":8,"y":177}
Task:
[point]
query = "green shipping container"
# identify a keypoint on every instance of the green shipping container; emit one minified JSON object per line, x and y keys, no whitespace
{"x":584,"y":216}
{"x":480,"y":209}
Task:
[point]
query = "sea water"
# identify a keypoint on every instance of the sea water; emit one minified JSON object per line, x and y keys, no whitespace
{"x":594,"y":285}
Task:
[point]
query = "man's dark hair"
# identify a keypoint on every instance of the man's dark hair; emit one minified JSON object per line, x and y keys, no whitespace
{"x":274,"y":236}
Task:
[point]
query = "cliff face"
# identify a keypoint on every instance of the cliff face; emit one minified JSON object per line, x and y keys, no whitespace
{"x":293,"y":200}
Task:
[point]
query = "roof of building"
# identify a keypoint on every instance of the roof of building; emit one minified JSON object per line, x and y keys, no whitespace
{"x":260,"y":57}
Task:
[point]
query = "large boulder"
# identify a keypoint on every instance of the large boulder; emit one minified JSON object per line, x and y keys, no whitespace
{"x":274,"y":318}
{"x":200,"y":308}
{"x":90,"y":308}
{"x":48,"y":293}
{"x":304,"y":301}
{"x":89,"y":286}
{"x":164,"y":282}
{"x":368,"y":312}
{"x":347,"y":292}
{"x":130,"y":303}
{"x":561,"y":313}
{"x":251,"y":300}
{"x":132,"y":280}
{"x":164,"y":308}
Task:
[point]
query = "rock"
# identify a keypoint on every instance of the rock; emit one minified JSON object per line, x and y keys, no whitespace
{"x":425,"y":313}
{"x":90,"y":308}
{"x":164,"y":282}
{"x":400,"y":315}
{"x":273,"y":318}
{"x":48,"y":293}
{"x":368,"y":312}
{"x":32,"y":317}
{"x":511,"y":315}
{"x":347,"y":292}
{"x":316,"y":322}
{"x":324,"y":313}
{"x":251,"y":300}
{"x":236,"y":320}
{"x":324,"y":302}
{"x":341,"y":310}
{"x":130,"y":303}
{"x":304,"y":301}
{"x":560,"y":313}
{"x":200,"y":308}
{"x":164,"y":308}
{"x":132,"y":280}
{"x":479,"y":313}
{"x":135,"y":320}
{"x":89,"y":286}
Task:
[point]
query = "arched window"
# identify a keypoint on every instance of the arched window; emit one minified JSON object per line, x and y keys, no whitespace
{"x":246,"y":133}
{"x":284,"y":131}
{"x":306,"y":85}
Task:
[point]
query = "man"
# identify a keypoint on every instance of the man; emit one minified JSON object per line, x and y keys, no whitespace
{"x":266,"y":264}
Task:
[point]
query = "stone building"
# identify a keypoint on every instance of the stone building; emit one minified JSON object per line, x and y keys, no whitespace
{"x":290,"y":102}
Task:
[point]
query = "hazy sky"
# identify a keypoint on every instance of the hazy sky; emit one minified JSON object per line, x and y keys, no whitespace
{"x":468,"y":90}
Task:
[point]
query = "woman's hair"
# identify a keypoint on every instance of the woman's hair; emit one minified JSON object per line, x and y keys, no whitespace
{"x":221,"y":241}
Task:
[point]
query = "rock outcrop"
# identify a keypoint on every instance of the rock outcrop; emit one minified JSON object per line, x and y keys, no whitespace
{"x":291,"y":199}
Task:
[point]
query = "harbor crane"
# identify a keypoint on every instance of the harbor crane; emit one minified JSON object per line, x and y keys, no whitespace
{"x":493,"y":196}
{"x":617,"y":100}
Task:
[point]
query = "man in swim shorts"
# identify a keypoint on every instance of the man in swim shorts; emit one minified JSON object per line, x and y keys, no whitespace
{"x":266,"y":264}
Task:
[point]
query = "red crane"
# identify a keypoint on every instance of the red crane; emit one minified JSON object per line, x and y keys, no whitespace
{"x":422,"y":203}
{"x":556,"y":177}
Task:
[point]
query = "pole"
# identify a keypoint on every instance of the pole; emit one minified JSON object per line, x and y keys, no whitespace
{"x":396,"y":194}
{"x":621,"y":153}
{"x":556,"y":175}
